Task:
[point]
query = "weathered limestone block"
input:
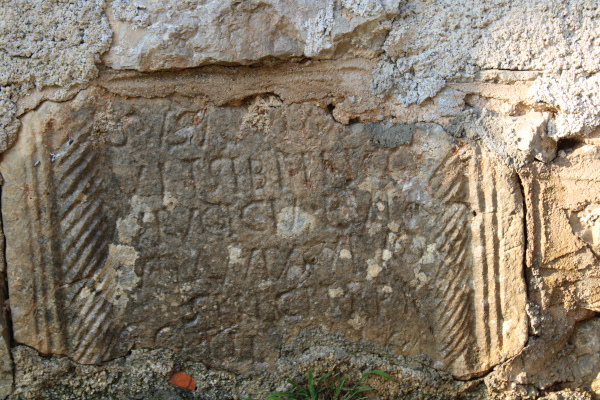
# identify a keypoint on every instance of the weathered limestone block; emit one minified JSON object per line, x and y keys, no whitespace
{"x":563,"y":205}
{"x":564,"y":230}
{"x":151,"y":36}
{"x":224,"y":232}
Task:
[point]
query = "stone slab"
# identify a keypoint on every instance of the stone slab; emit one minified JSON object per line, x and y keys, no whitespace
{"x":564,"y":232}
{"x":224,"y":232}
{"x":150,"y":35}
{"x":563,"y":204}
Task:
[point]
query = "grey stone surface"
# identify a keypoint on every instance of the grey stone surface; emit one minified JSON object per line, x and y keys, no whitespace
{"x":143,"y":374}
{"x":170,"y":34}
{"x":516,"y":139}
{"x":224,"y":232}
{"x":282,"y":184}
{"x":46,"y":44}
{"x":389,"y":134}
{"x":434,"y":42}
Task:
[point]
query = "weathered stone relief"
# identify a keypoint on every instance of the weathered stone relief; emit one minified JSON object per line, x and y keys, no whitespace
{"x":152,"y":35}
{"x":562,"y":260}
{"x":264,"y":187}
{"x":154,"y":215}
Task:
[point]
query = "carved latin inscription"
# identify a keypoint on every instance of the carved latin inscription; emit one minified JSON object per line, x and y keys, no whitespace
{"x":225,"y":231}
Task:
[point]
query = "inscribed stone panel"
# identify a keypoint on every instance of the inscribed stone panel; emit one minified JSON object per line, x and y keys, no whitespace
{"x":223,"y":232}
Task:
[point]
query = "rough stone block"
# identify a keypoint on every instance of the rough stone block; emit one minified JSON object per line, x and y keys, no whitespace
{"x":170,"y":34}
{"x":564,"y":231}
{"x":224,"y":232}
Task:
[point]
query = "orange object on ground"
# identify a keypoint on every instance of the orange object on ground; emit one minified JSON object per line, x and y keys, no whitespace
{"x":183,"y":380}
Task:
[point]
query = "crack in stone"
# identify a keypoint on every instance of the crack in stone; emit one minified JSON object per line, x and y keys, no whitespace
{"x":525,"y":246}
{"x":4,"y":296}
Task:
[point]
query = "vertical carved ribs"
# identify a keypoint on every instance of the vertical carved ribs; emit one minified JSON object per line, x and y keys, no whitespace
{"x":486,"y":256}
{"x":39,"y":209}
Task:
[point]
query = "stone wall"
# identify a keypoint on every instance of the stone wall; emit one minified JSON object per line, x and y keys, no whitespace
{"x":245,"y":190}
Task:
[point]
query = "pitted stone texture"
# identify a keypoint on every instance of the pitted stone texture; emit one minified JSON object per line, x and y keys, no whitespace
{"x":223,"y":232}
{"x":143,"y":374}
{"x":517,"y":140}
{"x":436,"y":41}
{"x":155,"y":35}
{"x":574,"y":93}
{"x":46,"y":44}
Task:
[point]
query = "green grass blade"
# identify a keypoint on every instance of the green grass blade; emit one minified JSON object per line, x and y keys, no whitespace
{"x":362,"y":388}
{"x":340,"y":387}
{"x":323,"y":378}
{"x":383,"y":375}
{"x":359,"y":389}
{"x":362,"y":378}
{"x":376,"y":372}
{"x":300,"y":389}
{"x":311,"y":387}
{"x":316,"y":388}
